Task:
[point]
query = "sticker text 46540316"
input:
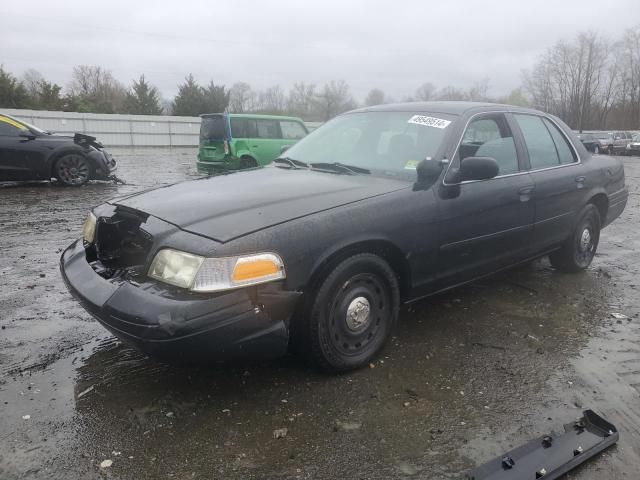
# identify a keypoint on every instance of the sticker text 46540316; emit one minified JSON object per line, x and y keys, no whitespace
{"x":429,"y":121}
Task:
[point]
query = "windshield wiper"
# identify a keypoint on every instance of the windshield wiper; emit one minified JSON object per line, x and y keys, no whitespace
{"x":341,"y":167}
{"x":293,"y":163}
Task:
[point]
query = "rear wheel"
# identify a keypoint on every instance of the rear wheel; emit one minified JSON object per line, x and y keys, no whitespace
{"x":578,"y":251}
{"x":248,"y":162}
{"x":73,"y":170}
{"x":351,"y":314}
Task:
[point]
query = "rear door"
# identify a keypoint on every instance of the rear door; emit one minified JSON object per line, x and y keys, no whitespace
{"x":485,"y":225}
{"x":266,"y":145}
{"x":558,"y":176}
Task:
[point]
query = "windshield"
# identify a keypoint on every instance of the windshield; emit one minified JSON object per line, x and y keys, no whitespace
{"x":389,"y":143}
{"x":213,"y":128}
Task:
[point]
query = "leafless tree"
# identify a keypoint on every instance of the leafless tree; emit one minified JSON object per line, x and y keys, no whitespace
{"x":426,"y":92}
{"x":272,"y":100}
{"x":375,"y":97}
{"x":242,"y":98}
{"x":300,"y":99}
{"x":333,"y":99}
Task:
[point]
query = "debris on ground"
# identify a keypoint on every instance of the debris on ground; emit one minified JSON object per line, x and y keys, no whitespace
{"x":346,"y":426}
{"x":106,"y":463}
{"x":280,"y":433}
{"x":84,"y":392}
{"x":408,"y":468}
{"x":619,"y":316}
{"x":26,"y":417}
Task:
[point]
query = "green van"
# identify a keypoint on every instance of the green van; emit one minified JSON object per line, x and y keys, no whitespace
{"x":238,"y":140}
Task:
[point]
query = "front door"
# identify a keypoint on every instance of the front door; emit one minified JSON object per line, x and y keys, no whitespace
{"x":485,"y":225}
{"x":17,"y":161}
{"x":266,"y":146}
{"x":558,"y":176}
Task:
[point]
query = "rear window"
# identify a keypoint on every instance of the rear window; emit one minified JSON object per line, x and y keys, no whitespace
{"x":213,"y":128}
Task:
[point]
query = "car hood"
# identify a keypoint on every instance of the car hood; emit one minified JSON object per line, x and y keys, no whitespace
{"x":229,"y":206}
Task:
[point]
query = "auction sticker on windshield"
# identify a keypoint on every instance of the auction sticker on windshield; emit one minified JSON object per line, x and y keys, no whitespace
{"x":429,"y":121}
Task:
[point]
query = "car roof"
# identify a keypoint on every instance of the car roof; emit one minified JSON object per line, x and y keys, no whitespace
{"x":448,"y":107}
{"x":252,"y":115}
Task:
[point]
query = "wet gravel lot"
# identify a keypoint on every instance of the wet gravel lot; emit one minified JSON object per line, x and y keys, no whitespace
{"x":468,"y":374}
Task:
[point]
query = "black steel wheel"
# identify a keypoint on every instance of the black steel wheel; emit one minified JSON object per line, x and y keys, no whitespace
{"x":352,"y":314}
{"x":578,"y":251}
{"x":73,"y":170}
{"x":248,"y":162}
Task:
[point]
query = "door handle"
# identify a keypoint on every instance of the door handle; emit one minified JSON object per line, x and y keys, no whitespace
{"x":580,"y":181}
{"x":525,"y":193}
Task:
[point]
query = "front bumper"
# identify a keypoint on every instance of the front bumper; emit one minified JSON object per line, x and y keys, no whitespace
{"x":179,"y":326}
{"x":104,"y":164}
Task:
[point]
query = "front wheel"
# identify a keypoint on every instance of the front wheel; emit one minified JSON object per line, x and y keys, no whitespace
{"x":596,"y":149}
{"x":579,"y":249}
{"x":73,"y":170}
{"x":351,"y":315}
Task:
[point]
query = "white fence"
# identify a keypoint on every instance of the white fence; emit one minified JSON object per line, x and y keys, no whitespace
{"x":121,"y":130}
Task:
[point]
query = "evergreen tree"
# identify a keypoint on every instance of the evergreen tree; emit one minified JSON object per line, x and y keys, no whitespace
{"x":47,"y":96}
{"x":216,"y":98}
{"x":143,"y":99}
{"x":13,"y":93}
{"x":190,"y":101}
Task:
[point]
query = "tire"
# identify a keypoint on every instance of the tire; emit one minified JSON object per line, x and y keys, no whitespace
{"x":73,"y":170}
{"x":579,"y":249}
{"x":351,"y":314}
{"x":248,"y":162}
{"x":596,"y":150}
{"x":609,"y":150}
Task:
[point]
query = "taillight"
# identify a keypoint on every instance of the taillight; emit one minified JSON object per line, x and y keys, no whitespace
{"x":226,"y":147}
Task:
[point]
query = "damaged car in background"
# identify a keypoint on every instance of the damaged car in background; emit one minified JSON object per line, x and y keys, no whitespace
{"x":30,"y":153}
{"x":317,"y":252}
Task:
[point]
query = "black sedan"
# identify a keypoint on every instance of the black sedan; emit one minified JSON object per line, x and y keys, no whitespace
{"x":378,"y":207}
{"x":29,"y":153}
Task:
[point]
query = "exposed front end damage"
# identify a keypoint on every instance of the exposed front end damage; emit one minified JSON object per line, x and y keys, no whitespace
{"x":109,"y":279}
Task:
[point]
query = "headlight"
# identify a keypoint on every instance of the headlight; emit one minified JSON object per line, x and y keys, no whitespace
{"x":201,"y":274}
{"x":89,"y":228}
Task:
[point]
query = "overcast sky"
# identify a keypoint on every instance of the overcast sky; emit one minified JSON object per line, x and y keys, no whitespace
{"x":393,"y":45}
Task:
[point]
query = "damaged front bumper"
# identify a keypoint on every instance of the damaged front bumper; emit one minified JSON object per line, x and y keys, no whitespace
{"x":104,"y":164}
{"x":179,"y":326}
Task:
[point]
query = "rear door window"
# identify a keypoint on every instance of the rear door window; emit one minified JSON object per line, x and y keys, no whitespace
{"x":268,"y":128}
{"x":540,"y":144}
{"x":292,"y":130}
{"x":243,"y":128}
{"x":565,"y":152}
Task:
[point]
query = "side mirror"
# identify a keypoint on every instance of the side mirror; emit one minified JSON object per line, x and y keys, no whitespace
{"x":27,"y":134}
{"x":428,"y":171}
{"x":478,"y":168}
{"x":284,"y":148}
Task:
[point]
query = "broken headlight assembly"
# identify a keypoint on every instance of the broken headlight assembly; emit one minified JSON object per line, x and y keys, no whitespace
{"x":202,"y":274}
{"x":89,"y":228}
